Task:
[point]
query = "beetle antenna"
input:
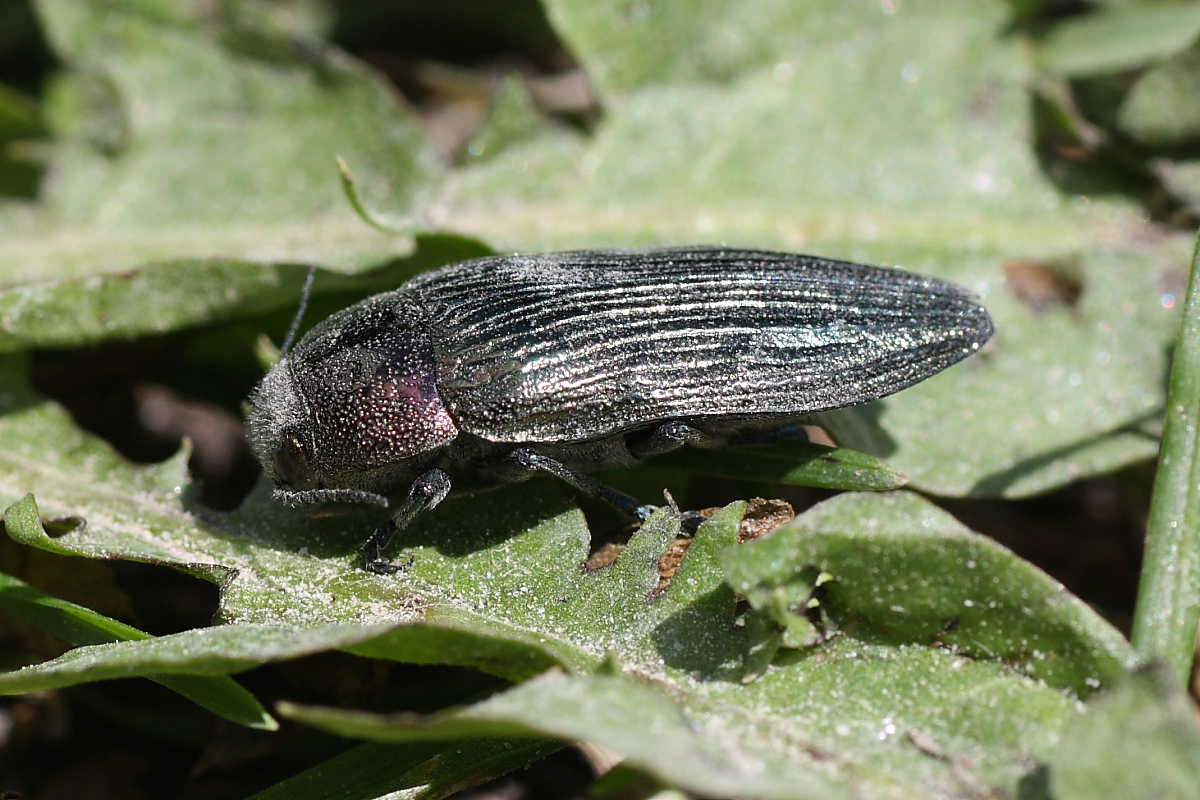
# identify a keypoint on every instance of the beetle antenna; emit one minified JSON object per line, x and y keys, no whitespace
{"x":295,"y":326}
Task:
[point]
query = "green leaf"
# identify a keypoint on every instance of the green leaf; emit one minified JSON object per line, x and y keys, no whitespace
{"x":64,"y":619}
{"x":159,"y":297}
{"x":792,"y":464}
{"x":1162,"y":108}
{"x":1181,"y":178}
{"x":885,"y":132}
{"x":812,"y":136}
{"x":81,"y":626}
{"x":19,"y":115}
{"x":713,"y":749}
{"x":900,"y":571}
{"x":219,"y":650}
{"x":663,"y":42}
{"x":1121,"y":38}
{"x":423,"y":771}
{"x":182,"y":135}
{"x":1151,"y":724}
{"x":512,"y":118}
{"x":496,"y":583}
{"x":1168,"y":606}
{"x":614,"y":712}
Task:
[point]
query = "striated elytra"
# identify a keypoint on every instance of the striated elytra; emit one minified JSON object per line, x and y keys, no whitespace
{"x":487,"y":371}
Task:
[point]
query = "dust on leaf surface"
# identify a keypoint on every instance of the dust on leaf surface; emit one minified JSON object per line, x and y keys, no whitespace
{"x":496,"y":582}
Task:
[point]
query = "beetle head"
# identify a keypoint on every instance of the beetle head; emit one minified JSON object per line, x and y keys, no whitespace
{"x":353,"y":411}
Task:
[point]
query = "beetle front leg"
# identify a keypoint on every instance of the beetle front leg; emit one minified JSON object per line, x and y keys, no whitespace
{"x":529,"y":460}
{"x":426,"y":492}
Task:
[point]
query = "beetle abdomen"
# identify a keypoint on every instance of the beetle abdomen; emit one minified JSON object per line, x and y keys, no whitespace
{"x":579,"y":345}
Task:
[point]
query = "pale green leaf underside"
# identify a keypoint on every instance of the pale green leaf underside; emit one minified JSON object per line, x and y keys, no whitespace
{"x":900,"y":570}
{"x":219,"y":650}
{"x":496,"y":583}
{"x":834,"y":745}
{"x":1151,"y":724}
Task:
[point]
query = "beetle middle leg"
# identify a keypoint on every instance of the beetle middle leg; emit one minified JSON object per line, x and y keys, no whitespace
{"x":527,"y":459}
{"x":426,"y":492}
{"x":663,"y":439}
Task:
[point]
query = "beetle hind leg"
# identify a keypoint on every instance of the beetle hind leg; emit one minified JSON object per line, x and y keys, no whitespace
{"x":663,"y":439}
{"x":527,"y":459}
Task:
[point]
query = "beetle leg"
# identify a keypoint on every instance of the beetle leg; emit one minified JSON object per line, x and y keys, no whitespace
{"x":372,"y":550}
{"x":665,"y":438}
{"x":529,"y":460}
{"x":426,"y":492}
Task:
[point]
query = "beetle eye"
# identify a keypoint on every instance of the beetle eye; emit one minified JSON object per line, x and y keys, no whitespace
{"x":291,"y":465}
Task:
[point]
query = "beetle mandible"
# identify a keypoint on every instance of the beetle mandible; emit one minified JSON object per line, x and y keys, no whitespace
{"x":493,"y":369}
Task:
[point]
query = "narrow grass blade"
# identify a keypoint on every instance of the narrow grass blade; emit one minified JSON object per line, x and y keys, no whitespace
{"x":221,"y":695}
{"x":1168,"y":605}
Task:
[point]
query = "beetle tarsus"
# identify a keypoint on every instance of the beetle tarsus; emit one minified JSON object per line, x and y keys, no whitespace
{"x":690,"y":521}
{"x":372,"y":550}
{"x":425,"y":493}
{"x":629,"y":506}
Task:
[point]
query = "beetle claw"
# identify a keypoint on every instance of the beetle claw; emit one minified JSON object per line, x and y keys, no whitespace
{"x":381,"y":566}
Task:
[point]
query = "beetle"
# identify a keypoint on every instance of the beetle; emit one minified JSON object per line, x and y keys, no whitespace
{"x":490,"y":370}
